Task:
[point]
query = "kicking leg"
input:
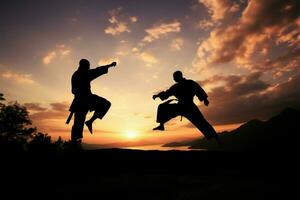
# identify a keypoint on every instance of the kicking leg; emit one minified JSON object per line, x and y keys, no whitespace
{"x":165,"y":112}
{"x":101,"y":107}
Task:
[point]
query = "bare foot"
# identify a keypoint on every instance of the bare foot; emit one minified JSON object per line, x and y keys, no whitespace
{"x":159,"y":128}
{"x":90,"y":126}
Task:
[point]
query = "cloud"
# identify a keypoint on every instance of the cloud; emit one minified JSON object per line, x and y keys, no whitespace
{"x":245,"y":97}
{"x":37,"y":117}
{"x":239,"y":85}
{"x":57,"y":111}
{"x":65,"y":52}
{"x":49,"y":57}
{"x":218,"y":9}
{"x":157,"y":31}
{"x":206,"y":24}
{"x":265,"y":41}
{"x":119,"y":23}
{"x":106,"y":61}
{"x":49,"y":118}
{"x":34,"y":107}
{"x":262,"y":25}
{"x":148,"y":58}
{"x":135,"y":50}
{"x":60,"y":106}
{"x":133,"y":19}
{"x":288,"y":62}
{"x":290,"y":35}
{"x":176,"y":44}
{"x":60,"y":51}
{"x":252,"y":42}
{"x":118,"y":28}
{"x":17,"y":77}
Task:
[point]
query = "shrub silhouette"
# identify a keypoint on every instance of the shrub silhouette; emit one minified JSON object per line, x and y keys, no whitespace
{"x":15,"y":127}
{"x":18,"y":134}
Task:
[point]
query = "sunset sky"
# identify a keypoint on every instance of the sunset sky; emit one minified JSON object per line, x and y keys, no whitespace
{"x":245,"y":54}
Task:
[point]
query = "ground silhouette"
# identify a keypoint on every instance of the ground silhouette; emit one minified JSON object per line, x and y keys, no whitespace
{"x":44,"y":173}
{"x":279,"y":134}
{"x":135,"y":174}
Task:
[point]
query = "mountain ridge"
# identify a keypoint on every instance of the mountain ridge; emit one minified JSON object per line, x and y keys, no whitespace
{"x":280,"y":132}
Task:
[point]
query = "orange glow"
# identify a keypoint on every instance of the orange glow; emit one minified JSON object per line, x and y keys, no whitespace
{"x":237,"y":66}
{"x":131,"y":134}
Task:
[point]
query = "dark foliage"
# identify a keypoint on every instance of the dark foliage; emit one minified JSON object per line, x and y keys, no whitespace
{"x":17,"y":133}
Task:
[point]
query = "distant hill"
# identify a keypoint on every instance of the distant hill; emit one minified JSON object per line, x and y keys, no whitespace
{"x":278,"y":134}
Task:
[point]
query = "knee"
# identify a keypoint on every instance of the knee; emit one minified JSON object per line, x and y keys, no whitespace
{"x":160,"y":106}
{"x":108,"y":104}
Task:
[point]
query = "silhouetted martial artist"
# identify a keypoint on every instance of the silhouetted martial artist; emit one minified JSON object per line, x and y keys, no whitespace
{"x":184,"y":90}
{"x":85,"y":100}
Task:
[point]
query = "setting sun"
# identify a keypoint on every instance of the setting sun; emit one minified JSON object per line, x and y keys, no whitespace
{"x":131,"y":134}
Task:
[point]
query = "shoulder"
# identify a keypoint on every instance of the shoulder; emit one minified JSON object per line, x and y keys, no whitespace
{"x":91,"y":70}
{"x":174,"y":86}
{"x":191,"y":82}
{"x":75,"y":74}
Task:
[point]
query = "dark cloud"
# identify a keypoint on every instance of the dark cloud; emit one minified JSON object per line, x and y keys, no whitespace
{"x":250,"y":97}
{"x":238,"y":85}
{"x":264,"y":40}
{"x":220,"y":9}
{"x":287,"y":62}
{"x":60,"y":106}
{"x":34,"y":107}
{"x":57,"y":111}
{"x":49,"y":115}
{"x":261,"y":25}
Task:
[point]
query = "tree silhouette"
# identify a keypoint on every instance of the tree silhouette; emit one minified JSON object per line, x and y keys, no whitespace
{"x":15,"y":125}
{"x":18,"y":134}
{"x":40,"y":142}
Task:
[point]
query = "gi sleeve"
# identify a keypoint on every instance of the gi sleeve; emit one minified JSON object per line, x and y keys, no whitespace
{"x":166,"y":94}
{"x":200,"y":93}
{"x":95,"y":73}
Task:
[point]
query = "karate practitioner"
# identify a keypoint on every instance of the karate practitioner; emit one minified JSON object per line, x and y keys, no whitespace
{"x":85,"y":100}
{"x":184,"y":90}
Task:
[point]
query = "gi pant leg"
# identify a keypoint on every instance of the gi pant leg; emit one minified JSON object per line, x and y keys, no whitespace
{"x":194,"y":115}
{"x":166,"y":111}
{"x":100,"y":105}
{"x":77,"y":128}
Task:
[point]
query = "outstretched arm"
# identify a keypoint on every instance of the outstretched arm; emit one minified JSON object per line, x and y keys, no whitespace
{"x":113,"y":64}
{"x":164,"y":94}
{"x":95,"y":73}
{"x":201,"y":94}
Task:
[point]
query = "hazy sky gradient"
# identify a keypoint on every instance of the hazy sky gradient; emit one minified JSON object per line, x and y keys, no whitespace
{"x":245,"y":54}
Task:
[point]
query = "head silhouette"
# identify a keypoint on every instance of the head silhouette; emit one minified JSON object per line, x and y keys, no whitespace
{"x":84,"y":65}
{"x":177,"y":76}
